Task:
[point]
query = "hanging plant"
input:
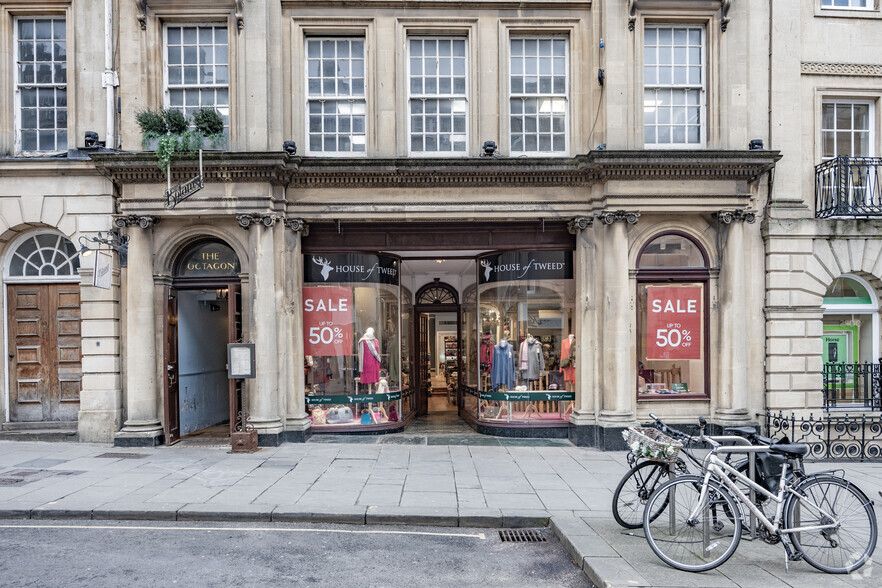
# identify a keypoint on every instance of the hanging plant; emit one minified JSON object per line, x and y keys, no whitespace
{"x":171,"y":131}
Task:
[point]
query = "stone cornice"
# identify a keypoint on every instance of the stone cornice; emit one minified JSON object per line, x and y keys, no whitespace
{"x":366,"y":173}
{"x":457,"y":5}
{"x":840,"y":69}
{"x":43,"y":166}
{"x":139,"y":167}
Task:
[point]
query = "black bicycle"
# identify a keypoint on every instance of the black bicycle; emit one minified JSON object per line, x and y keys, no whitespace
{"x":645,"y":475}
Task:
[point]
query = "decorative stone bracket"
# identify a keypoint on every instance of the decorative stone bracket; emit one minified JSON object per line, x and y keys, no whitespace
{"x":246,"y":220}
{"x":725,"y":5}
{"x":728,"y":216}
{"x":145,"y":222}
{"x":298,"y":225}
{"x":609,"y":217}
{"x":580,"y":223}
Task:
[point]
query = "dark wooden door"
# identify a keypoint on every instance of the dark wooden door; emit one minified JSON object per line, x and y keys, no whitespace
{"x":234,"y":318}
{"x":424,"y":384}
{"x":45,"y":348}
{"x":170,"y":358}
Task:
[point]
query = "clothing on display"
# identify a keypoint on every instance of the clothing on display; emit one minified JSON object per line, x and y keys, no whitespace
{"x":503,"y":371}
{"x":486,"y":356}
{"x":523,"y":361}
{"x":568,"y":350}
{"x":535,"y":359}
{"x":369,"y":357}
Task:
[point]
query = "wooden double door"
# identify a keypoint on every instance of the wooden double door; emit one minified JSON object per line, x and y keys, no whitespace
{"x":45,"y":352}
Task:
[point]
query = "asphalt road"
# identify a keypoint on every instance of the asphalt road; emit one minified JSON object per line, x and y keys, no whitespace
{"x":99,"y":553}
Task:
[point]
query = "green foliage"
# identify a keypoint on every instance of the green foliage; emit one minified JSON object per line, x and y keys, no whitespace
{"x":208,"y":121}
{"x":176,"y":121}
{"x":171,"y":131}
{"x":151,"y":121}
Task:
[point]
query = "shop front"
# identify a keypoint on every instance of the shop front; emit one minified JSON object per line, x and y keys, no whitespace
{"x":485,"y":333}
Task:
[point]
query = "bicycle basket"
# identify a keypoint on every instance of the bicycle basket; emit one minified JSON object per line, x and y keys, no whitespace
{"x":652,"y":444}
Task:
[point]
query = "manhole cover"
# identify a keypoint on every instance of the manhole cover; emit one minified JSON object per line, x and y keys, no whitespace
{"x":123,"y":455}
{"x":521,"y":536}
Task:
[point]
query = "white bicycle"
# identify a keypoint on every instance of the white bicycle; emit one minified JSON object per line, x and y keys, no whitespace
{"x":822,"y":518}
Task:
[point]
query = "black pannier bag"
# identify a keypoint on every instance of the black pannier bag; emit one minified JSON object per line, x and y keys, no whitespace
{"x":768,"y":470}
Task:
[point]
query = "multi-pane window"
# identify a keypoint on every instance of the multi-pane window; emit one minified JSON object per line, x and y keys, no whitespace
{"x":41,"y":84}
{"x":845,"y":4}
{"x":437,"y":95}
{"x":846,"y":129}
{"x":336,"y":96}
{"x":198,"y":69}
{"x":673,"y":86}
{"x":538,"y":101}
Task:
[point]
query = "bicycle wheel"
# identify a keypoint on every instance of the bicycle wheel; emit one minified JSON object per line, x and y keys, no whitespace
{"x":843,"y":548}
{"x":634,"y":490}
{"x":692,"y":545}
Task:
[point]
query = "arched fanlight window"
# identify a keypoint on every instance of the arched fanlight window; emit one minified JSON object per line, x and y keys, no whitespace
{"x":671,"y":250}
{"x":847,"y":290}
{"x":437,"y":293}
{"x":44,"y":255}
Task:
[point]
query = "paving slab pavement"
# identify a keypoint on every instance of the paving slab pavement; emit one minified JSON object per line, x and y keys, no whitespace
{"x":539,"y":484}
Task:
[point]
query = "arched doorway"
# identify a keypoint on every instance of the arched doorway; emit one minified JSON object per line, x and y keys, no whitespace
{"x":438,"y":337}
{"x":44,"y":346}
{"x":203,"y":312}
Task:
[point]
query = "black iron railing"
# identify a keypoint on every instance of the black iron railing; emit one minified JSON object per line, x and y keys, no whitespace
{"x":853,"y":384}
{"x":832,"y":435}
{"x":849,"y":187}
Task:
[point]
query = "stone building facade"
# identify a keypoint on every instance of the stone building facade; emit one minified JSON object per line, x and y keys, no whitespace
{"x":822,"y":229}
{"x":645,"y":237}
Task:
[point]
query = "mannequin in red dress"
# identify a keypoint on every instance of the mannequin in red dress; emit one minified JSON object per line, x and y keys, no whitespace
{"x":369,"y":358}
{"x":568,"y":349}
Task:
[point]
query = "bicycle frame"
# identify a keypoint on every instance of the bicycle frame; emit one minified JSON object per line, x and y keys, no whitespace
{"x":714,"y":466}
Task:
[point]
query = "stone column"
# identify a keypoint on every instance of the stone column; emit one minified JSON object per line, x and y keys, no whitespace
{"x":733,"y":398}
{"x":262,"y":399}
{"x":583,"y":420}
{"x":618,"y":375}
{"x":142,"y":426}
{"x":297,"y":423}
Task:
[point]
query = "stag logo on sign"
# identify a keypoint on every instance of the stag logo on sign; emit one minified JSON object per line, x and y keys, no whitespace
{"x":325,"y":265}
{"x":488,"y":269}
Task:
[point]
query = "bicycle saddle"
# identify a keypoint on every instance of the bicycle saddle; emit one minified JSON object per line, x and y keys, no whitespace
{"x":790,"y":449}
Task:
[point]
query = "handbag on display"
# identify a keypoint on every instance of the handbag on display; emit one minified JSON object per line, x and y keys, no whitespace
{"x":555,"y":380}
{"x":339,"y":414}
{"x":319,"y":416}
{"x":565,"y":362}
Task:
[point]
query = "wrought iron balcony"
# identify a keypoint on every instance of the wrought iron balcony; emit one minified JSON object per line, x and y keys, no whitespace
{"x":848,"y":187}
{"x":853,"y":385}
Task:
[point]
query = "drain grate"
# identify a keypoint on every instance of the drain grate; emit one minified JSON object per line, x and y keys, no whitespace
{"x":123,"y":455}
{"x":521,"y":536}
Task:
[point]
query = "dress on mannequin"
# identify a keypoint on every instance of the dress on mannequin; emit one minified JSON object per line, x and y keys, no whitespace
{"x":535,"y":360}
{"x":486,"y":356}
{"x":568,"y":349}
{"x":502,"y":373}
{"x":369,"y":357}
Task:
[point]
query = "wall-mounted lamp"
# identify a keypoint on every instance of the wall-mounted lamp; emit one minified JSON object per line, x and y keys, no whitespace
{"x":755,"y":145}
{"x":290,"y":147}
{"x":114,"y":240}
{"x":489,"y":149}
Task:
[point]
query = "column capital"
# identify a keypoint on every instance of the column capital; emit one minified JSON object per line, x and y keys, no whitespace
{"x":298,"y":225}
{"x":246,"y":220}
{"x":608,"y":217}
{"x":580,"y":223}
{"x":134,"y":220}
{"x":728,"y":216}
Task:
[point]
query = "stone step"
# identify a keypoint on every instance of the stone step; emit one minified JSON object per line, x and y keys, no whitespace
{"x":39,"y":435}
{"x":40,"y":425}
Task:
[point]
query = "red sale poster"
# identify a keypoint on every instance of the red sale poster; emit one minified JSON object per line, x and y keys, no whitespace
{"x":673,"y":322}
{"x":328,"y":315}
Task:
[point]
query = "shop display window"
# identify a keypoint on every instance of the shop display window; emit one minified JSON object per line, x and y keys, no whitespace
{"x":672,"y":338}
{"x":526,"y":347}
{"x":352,"y":325}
